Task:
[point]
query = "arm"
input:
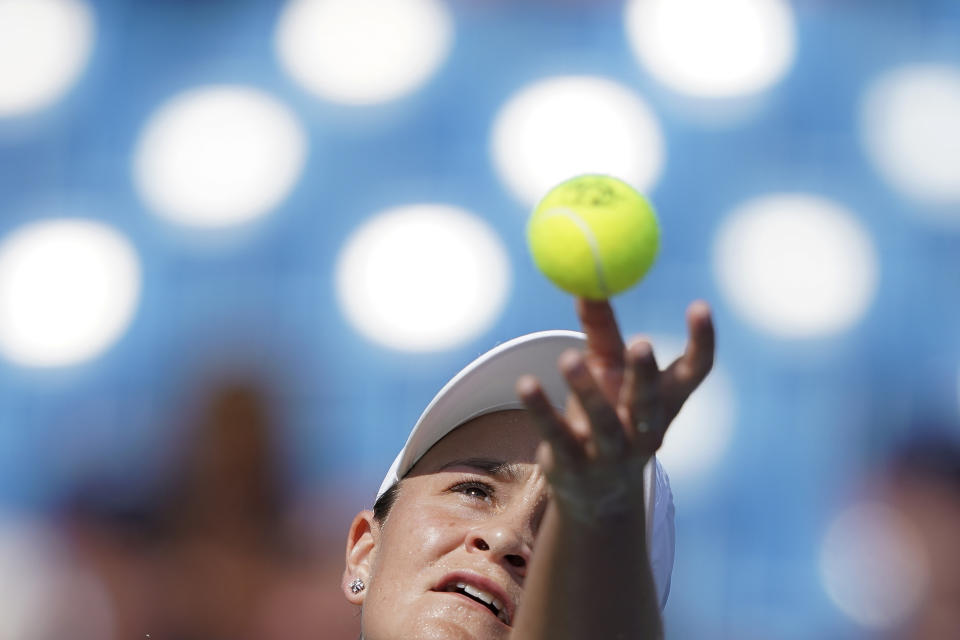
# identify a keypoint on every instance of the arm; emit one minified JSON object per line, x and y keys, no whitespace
{"x":590,"y":576}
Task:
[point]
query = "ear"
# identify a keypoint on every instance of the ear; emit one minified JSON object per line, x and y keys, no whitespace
{"x":361,"y":551}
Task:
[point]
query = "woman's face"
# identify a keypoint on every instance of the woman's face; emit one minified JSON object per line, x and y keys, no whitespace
{"x":460,"y":533}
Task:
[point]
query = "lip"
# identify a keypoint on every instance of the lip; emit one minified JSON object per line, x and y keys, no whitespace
{"x":483,"y":583}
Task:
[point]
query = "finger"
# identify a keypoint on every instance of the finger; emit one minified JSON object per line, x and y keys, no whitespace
{"x":686,"y":373}
{"x":606,"y":430}
{"x":546,"y":459}
{"x":604,"y":344}
{"x":565,"y":447}
{"x":640,"y":395}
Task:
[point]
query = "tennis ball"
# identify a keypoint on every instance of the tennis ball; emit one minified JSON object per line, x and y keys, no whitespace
{"x":593,"y":236}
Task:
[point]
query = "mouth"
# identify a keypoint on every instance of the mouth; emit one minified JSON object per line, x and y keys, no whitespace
{"x":481,"y":592}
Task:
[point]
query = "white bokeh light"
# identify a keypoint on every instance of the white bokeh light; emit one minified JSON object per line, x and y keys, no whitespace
{"x":872,"y":565}
{"x":42,"y":593}
{"x":711,"y":49}
{"x":363,"y":51}
{"x":68,"y":290}
{"x":44,"y":46}
{"x":219,"y":156}
{"x":698,"y":438}
{"x":796,"y":265}
{"x":566,"y":126}
{"x":911,"y":129}
{"x":423,"y":277}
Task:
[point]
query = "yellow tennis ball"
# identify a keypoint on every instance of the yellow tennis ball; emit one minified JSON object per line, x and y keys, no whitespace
{"x":593,"y":236}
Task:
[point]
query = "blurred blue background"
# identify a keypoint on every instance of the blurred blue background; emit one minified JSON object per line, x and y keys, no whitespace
{"x":833,"y":353}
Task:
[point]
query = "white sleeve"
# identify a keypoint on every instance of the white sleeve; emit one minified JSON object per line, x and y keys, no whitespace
{"x":662,"y":543}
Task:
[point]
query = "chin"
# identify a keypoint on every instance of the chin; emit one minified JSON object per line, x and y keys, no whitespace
{"x":433,"y":616}
{"x":448,"y":621}
{"x":458,"y":622}
{"x":442,"y":629}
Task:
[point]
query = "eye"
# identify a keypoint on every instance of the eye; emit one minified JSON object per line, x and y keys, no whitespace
{"x":474,"y":489}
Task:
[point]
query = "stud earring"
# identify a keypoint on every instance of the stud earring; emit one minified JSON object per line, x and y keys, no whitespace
{"x":357,"y":585}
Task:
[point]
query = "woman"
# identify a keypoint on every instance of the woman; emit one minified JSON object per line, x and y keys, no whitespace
{"x":504,"y":519}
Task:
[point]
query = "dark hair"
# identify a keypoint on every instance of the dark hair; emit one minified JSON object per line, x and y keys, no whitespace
{"x":381,"y":508}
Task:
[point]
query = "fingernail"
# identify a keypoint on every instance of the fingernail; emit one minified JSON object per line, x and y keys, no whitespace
{"x":641,"y":350}
{"x":700,"y":308}
{"x":527,"y":386}
{"x":571,"y":362}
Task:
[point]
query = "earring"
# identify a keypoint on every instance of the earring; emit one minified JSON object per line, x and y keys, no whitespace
{"x":357,"y":585}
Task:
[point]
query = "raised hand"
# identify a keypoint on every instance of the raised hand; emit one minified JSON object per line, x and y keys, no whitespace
{"x":619,"y":410}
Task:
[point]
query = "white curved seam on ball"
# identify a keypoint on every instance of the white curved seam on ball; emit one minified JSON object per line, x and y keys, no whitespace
{"x":591,"y":241}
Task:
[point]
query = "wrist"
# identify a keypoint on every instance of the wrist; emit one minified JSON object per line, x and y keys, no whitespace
{"x":620,"y":505}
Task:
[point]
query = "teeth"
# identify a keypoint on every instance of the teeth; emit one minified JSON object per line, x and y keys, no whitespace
{"x":485,"y":597}
{"x":480,"y":595}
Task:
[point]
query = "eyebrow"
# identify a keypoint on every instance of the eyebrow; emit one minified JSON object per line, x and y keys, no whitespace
{"x":489,"y":466}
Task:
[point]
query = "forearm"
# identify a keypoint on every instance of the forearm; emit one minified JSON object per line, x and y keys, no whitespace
{"x":590,"y":580}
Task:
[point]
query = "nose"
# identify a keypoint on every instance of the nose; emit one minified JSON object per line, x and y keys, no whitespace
{"x":504,"y":544}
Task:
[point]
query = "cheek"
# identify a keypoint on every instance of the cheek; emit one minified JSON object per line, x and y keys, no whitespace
{"x":414,"y":552}
{"x":415,"y":544}
{"x":440,"y":536}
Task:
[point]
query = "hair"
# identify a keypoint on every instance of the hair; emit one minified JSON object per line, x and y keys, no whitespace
{"x":383,"y":505}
